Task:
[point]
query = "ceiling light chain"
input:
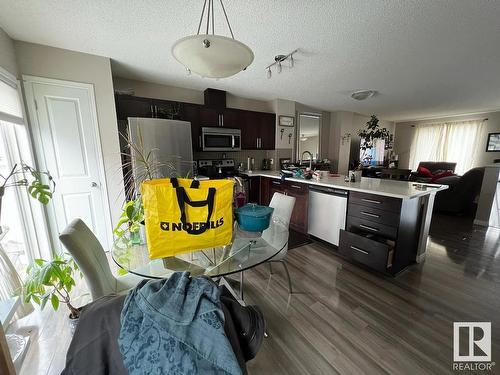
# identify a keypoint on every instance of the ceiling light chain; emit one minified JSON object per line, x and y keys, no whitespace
{"x":278,"y":60}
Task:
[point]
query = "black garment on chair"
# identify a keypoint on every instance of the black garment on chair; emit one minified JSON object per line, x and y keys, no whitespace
{"x":94,"y":347}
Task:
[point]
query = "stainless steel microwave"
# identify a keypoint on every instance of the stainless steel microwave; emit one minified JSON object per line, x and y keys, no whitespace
{"x":220,"y":139}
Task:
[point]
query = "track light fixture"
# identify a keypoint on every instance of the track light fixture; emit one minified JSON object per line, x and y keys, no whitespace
{"x":278,"y":60}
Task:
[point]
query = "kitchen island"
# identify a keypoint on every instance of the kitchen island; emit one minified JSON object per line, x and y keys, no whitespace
{"x":384,"y":224}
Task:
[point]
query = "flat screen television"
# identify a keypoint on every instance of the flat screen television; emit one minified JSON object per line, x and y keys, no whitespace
{"x":493,"y":144}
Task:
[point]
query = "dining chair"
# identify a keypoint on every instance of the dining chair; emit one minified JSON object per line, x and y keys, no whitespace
{"x":283,"y":207}
{"x":92,"y":261}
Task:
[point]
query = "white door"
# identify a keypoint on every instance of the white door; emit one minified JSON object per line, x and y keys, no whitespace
{"x":66,"y":134}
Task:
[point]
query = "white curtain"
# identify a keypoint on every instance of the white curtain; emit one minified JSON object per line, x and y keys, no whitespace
{"x":457,"y":142}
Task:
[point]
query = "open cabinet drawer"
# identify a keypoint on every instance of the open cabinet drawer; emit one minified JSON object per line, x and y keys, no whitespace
{"x":375,"y":254}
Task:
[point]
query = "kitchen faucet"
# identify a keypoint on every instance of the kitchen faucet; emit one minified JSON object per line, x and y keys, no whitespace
{"x":310,"y":158}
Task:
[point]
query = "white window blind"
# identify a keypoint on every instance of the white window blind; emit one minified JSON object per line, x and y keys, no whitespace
{"x":10,"y":101}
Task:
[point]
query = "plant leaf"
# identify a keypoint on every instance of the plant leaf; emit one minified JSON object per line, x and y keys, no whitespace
{"x":55,"y":301}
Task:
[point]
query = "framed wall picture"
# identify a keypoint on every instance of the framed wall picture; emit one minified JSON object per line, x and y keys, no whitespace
{"x":288,"y":121}
{"x":493,"y":144}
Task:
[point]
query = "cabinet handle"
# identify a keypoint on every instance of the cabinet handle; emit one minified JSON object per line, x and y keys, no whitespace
{"x":296,"y":186}
{"x":156,"y":111}
{"x":276,"y":183}
{"x":222,"y":119}
{"x":369,"y":214}
{"x":360,"y":250}
{"x":369,"y":228}
{"x":199,"y":140}
{"x":257,"y":143}
{"x":152,"y":111}
{"x":370,"y":201}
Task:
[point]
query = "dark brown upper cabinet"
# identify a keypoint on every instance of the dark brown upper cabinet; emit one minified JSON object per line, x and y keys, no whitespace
{"x":257,"y":128}
{"x":133,"y":106}
{"x":258,"y":131}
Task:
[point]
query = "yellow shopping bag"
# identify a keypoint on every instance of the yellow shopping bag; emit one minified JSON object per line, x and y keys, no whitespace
{"x":184,"y":215}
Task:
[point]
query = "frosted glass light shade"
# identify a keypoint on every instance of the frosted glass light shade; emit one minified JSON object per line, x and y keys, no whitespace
{"x":223,"y":58}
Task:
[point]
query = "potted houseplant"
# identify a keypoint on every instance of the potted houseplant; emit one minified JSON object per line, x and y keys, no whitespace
{"x":132,"y":217}
{"x":369,"y":136}
{"x":52,"y":281}
{"x":31,"y":178}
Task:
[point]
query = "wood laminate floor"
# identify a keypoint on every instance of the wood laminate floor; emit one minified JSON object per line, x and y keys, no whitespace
{"x":345,"y":319}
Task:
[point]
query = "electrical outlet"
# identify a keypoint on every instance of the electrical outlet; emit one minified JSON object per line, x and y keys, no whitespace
{"x":271,"y":161}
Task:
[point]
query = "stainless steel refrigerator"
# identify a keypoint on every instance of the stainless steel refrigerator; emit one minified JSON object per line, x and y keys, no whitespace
{"x":168,"y":144}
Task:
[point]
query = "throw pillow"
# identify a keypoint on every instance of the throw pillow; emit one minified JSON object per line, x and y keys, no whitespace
{"x":441,"y":175}
{"x":424,"y":172}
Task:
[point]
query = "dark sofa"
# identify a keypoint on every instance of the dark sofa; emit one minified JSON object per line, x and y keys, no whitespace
{"x":461,"y":195}
{"x":433,"y":167}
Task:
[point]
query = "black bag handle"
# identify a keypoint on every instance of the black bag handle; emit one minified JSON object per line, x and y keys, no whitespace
{"x":183,"y":199}
{"x":195,"y":184}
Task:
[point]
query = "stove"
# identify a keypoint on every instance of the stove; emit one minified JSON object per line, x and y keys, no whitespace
{"x":217,"y":169}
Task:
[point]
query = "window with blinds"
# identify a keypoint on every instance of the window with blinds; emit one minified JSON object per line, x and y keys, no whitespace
{"x":10,"y":101}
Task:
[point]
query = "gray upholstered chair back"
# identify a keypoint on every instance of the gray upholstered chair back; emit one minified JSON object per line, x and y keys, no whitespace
{"x":283,"y":208}
{"x":90,"y":257}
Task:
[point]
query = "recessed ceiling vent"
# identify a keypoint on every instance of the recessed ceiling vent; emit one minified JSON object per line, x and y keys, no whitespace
{"x":363,"y":94}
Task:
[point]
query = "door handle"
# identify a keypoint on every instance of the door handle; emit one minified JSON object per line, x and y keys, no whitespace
{"x":94,"y":184}
{"x":359,"y":250}
{"x":369,"y":228}
{"x":369,"y":214}
{"x":370,"y":201}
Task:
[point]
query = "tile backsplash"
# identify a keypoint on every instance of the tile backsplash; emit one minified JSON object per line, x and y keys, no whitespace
{"x":241,"y":156}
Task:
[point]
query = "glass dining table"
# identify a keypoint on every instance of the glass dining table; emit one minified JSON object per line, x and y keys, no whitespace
{"x":246,"y":251}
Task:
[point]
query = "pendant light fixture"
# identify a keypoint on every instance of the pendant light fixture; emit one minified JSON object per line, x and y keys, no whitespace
{"x":212,"y":55}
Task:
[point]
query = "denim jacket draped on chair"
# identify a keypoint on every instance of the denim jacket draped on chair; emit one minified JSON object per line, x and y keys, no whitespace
{"x":175,"y":326}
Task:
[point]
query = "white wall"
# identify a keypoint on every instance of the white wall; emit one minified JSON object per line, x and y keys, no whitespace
{"x":406,"y":130}
{"x":157,"y":91}
{"x":49,"y":62}
{"x":7,"y":53}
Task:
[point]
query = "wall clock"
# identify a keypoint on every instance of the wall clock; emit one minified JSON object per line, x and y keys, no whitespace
{"x":286,"y":121}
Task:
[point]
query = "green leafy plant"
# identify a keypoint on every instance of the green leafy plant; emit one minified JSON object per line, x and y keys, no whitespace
{"x":37,"y":187}
{"x":369,"y":135}
{"x":51,"y":281}
{"x":132,"y":216}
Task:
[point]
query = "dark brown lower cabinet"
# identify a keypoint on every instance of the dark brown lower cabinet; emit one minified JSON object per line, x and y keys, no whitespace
{"x":299,"y":191}
{"x":381,"y":232}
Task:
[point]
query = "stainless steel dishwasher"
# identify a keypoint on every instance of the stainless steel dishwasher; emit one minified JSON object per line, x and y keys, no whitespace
{"x":327,"y":213}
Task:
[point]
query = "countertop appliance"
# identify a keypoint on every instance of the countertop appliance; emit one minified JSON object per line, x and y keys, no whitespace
{"x":169,"y":141}
{"x":220,"y":139}
{"x":327,"y":213}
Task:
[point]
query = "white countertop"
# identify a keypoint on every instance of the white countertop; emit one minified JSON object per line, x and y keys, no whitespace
{"x":389,"y":188}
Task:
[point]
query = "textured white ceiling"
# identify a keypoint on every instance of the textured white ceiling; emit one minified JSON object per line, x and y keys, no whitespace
{"x":426,"y":57}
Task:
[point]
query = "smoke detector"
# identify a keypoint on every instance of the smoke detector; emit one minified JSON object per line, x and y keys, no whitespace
{"x":363,"y":94}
